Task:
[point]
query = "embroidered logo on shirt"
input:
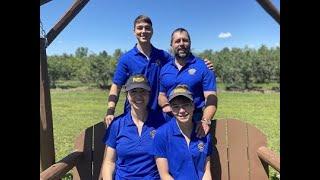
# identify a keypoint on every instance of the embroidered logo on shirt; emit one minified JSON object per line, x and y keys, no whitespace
{"x":152,"y":133}
{"x":192,"y":71}
{"x":201,"y":146}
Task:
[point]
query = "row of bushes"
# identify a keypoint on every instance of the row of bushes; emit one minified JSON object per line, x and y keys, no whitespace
{"x":237,"y":68}
{"x":93,"y":68}
{"x":241,"y":68}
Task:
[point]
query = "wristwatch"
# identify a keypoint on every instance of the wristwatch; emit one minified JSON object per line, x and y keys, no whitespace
{"x":208,"y":122}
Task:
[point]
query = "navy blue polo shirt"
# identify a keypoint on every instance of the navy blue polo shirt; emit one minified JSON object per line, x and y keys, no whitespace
{"x":195,"y":74}
{"x":134,"y":160}
{"x":134,"y":62}
{"x":184,"y":162}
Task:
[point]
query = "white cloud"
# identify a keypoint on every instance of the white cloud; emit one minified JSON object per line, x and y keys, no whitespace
{"x":277,"y":44}
{"x":224,"y":35}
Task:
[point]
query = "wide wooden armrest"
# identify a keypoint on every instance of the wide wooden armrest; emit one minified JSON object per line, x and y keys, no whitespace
{"x":269,"y":157}
{"x":58,"y":170}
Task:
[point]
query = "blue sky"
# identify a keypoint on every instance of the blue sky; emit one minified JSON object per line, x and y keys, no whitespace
{"x":212,"y":24}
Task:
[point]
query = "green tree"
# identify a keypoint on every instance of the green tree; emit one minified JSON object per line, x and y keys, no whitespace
{"x":117,"y":53}
{"x":54,"y":67}
{"x":100,"y":70}
{"x":81,"y":52}
{"x":207,"y":54}
{"x":263,"y":65}
{"x":83,"y":71}
{"x":103,"y":54}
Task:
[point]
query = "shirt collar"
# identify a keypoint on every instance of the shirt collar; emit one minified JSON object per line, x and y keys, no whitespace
{"x":130,"y":120}
{"x":176,"y":129}
{"x":137,"y":52}
{"x":191,"y":59}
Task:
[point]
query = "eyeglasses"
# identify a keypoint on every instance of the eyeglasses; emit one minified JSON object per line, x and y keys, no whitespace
{"x":177,"y":107}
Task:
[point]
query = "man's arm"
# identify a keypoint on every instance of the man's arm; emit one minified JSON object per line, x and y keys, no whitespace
{"x":112,"y":103}
{"x":207,"y":170}
{"x":211,"y":105}
{"x":163,"y":102}
{"x":163,"y":168}
{"x":209,"y":111}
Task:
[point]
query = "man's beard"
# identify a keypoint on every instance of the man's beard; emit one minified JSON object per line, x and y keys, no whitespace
{"x":182,"y":54}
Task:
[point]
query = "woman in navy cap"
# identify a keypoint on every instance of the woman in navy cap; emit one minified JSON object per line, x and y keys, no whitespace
{"x":129,"y":137}
{"x":179,"y":153}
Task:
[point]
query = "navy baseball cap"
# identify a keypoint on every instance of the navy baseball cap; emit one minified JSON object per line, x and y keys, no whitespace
{"x":180,"y":90}
{"x":137,"y":81}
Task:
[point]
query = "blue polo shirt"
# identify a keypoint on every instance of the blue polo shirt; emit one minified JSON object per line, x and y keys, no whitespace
{"x":134,"y":62}
{"x":184,"y":162}
{"x":195,"y":74}
{"x":133,"y":151}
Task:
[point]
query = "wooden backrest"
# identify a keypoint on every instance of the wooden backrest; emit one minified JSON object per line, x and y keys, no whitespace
{"x":91,"y":140}
{"x":235,"y":142}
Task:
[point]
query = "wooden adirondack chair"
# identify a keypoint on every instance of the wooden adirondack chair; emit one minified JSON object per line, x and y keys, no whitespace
{"x":241,"y":154}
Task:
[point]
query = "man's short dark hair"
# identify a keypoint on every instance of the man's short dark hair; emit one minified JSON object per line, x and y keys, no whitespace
{"x":142,"y":18}
{"x":179,"y":30}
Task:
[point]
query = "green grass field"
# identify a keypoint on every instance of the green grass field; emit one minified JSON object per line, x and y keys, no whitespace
{"x":75,"y":109}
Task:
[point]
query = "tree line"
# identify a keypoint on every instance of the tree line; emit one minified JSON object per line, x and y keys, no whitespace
{"x":237,"y":68}
{"x":241,"y":68}
{"x":87,"y":68}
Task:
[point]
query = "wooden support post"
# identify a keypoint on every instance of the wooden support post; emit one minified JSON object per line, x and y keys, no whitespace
{"x":270,"y":9}
{"x":42,"y":2}
{"x":64,"y":21}
{"x":47,"y":155}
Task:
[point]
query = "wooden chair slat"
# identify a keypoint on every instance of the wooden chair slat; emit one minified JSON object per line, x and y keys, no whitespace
{"x":258,"y":169}
{"x":83,"y":169}
{"x":219,"y":161}
{"x":98,"y":149}
{"x":237,"y":152}
{"x":219,"y":130}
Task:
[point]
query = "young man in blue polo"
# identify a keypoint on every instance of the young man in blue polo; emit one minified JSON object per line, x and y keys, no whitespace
{"x":192,"y":71}
{"x":143,"y":58}
{"x":179,"y":153}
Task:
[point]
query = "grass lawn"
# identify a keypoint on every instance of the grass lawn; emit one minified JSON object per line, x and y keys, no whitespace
{"x":75,"y":109}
